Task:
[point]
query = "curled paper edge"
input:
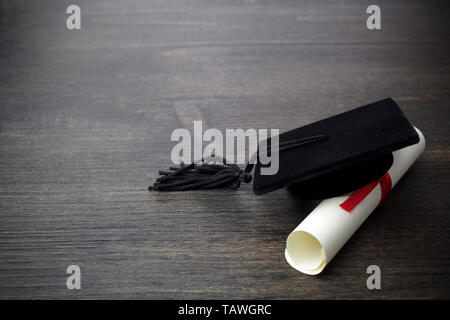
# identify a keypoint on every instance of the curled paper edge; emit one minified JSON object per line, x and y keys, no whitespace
{"x":317,"y":239}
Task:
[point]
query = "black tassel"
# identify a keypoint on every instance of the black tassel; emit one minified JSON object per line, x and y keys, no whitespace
{"x":213,"y":175}
{"x":202,"y":176}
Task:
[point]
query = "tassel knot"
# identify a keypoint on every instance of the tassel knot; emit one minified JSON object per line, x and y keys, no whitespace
{"x":245,"y":176}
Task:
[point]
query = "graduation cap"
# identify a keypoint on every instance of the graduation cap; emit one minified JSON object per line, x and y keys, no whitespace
{"x":324,"y":159}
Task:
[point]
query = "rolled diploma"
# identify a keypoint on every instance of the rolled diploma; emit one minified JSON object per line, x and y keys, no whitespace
{"x":315,"y":241}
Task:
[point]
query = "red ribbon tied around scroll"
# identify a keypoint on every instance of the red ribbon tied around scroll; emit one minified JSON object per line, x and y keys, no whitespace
{"x":360,"y":194}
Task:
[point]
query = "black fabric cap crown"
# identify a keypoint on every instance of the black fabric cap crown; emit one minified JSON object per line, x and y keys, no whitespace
{"x":358,"y":150}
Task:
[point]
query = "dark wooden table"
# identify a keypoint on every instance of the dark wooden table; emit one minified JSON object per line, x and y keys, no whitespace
{"x":85,"y":124}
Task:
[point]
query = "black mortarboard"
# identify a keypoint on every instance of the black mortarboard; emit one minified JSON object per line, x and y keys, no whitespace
{"x":326,"y":158}
{"x":355,"y":149}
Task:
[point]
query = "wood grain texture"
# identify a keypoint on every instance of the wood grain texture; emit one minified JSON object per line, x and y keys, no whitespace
{"x":85,"y":124}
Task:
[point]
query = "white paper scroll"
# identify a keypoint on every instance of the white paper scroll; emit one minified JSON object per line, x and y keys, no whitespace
{"x":315,"y":241}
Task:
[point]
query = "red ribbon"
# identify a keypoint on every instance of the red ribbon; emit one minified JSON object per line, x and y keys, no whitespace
{"x":360,"y":194}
